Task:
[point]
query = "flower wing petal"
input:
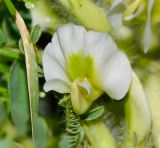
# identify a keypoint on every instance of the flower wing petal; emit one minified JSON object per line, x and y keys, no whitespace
{"x":117,"y":76}
{"x":54,"y":62}
{"x":71,"y":38}
{"x":100,"y":46}
{"x":57,"y":85}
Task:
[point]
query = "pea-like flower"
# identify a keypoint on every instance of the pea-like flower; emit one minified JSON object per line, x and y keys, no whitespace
{"x":85,"y":64}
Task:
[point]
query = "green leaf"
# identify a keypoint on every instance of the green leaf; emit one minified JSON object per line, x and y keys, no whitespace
{"x":35,"y":34}
{"x":41,"y":137}
{"x":62,"y":102}
{"x":40,"y":72}
{"x":2,"y":111}
{"x":32,"y":75}
{"x":33,"y":87}
{"x":18,"y":91}
{"x":20,"y":44}
{"x":10,"y":7}
{"x":94,"y":113}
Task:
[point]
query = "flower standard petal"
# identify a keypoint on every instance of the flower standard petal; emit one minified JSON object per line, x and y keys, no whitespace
{"x":71,"y":38}
{"x":54,"y":62}
{"x":100,"y":46}
{"x":112,"y":66}
{"x":116,"y":76}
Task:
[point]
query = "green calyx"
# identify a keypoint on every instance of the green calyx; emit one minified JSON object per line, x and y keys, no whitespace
{"x":82,"y":97}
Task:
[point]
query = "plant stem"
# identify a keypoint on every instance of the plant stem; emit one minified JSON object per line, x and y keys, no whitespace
{"x":74,"y":130}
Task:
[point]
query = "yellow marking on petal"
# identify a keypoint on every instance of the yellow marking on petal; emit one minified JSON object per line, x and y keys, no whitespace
{"x":83,"y":67}
{"x":80,"y":66}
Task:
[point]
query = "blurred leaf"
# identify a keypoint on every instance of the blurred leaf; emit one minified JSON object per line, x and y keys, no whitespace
{"x":10,"y":34}
{"x":64,"y":142}
{"x":6,"y":143}
{"x":35,"y":34}
{"x":4,"y":101}
{"x":2,"y":38}
{"x":94,"y":113}
{"x":18,"y":94}
{"x":3,"y":91}
{"x":29,"y":4}
{"x":3,"y":112}
{"x":4,"y":68}
{"x":30,"y":1}
{"x":41,"y":133}
{"x":10,"y":54}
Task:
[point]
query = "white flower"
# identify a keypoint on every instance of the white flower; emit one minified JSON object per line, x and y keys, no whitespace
{"x":85,"y":64}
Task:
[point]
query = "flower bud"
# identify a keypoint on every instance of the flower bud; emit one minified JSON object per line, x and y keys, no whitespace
{"x":45,"y":16}
{"x":137,"y":113}
{"x":88,"y":14}
{"x":152,"y":89}
{"x":123,"y":35}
